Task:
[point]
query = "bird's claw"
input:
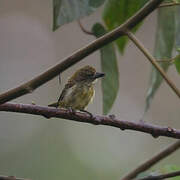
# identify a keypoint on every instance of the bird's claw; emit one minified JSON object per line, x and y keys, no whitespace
{"x":112,"y":116}
{"x":71,"y":110}
{"x":87,"y":112}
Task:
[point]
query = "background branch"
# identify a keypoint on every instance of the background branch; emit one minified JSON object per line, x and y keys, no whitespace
{"x":169,"y":4}
{"x":83,"y":29}
{"x":170,"y":61}
{"x":152,"y":60}
{"x":49,"y":112}
{"x":79,"y":55}
{"x":152,"y":161}
{"x":10,"y":178}
{"x":162,"y":176}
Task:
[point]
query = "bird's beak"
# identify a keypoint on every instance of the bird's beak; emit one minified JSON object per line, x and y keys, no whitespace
{"x":99,"y":75}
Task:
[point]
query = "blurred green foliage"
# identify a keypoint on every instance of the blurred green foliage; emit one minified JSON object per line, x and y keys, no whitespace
{"x":110,"y":83}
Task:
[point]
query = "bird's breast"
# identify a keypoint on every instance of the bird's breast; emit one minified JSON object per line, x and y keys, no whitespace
{"x":78,"y":97}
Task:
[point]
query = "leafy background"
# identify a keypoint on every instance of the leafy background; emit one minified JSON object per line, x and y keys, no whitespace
{"x":114,"y":14}
{"x":32,"y":147}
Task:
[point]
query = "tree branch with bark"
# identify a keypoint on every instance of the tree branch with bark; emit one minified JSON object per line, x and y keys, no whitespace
{"x":50,"y":112}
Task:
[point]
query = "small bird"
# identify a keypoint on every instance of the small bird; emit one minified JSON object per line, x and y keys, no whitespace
{"x":79,"y":91}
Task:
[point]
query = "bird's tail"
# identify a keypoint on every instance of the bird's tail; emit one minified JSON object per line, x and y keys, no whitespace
{"x":53,"y":104}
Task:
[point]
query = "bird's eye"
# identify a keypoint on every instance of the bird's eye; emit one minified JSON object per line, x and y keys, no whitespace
{"x":90,"y":75}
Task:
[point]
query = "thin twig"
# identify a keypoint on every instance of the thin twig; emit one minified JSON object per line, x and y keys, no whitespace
{"x":50,"y":112}
{"x":10,"y":178}
{"x":165,"y":61}
{"x":83,"y":29}
{"x":169,"y":4}
{"x":133,"y":38}
{"x":80,"y":54}
{"x":162,"y":176}
{"x":152,"y":161}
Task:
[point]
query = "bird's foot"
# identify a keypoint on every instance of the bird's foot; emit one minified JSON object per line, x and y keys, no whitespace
{"x":87,"y":112}
{"x":71,"y":110}
{"x":112,"y":116}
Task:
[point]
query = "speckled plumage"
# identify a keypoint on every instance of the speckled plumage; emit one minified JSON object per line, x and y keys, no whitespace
{"x":79,"y":91}
{"x":77,"y":97}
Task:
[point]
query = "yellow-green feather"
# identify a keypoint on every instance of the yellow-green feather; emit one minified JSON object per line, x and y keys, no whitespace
{"x":78,"y":97}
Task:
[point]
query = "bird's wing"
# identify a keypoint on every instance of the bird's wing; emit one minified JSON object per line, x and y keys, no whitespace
{"x":63,"y":93}
{"x":53,"y":104}
{"x":69,"y":85}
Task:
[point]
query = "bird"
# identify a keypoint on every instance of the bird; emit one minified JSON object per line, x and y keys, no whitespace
{"x":79,"y":89}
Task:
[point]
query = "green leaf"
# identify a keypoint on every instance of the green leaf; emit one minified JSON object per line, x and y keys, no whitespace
{"x":177,"y":22}
{"x":177,"y":39}
{"x":65,"y":11}
{"x":165,"y":35}
{"x":170,"y":169}
{"x":96,"y":3}
{"x":117,"y":12}
{"x":110,"y":83}
{"x":177,"y":63}
{"x":56,"y":9}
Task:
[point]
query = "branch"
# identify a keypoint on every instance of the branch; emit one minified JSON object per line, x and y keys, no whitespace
{"x":169,"y":4}
{"x":162,"y":176}
{"x":50,"y":112}
{"x":170,"y":61}
{"x":152,"y":60}
{"x":10,"y":178}
{"x":83,"y":29}
{"x":152,"y":161}
{"x":31,"y":85}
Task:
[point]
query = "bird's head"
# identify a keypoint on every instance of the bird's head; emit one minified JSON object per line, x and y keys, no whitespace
{"x":86,"y":74}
